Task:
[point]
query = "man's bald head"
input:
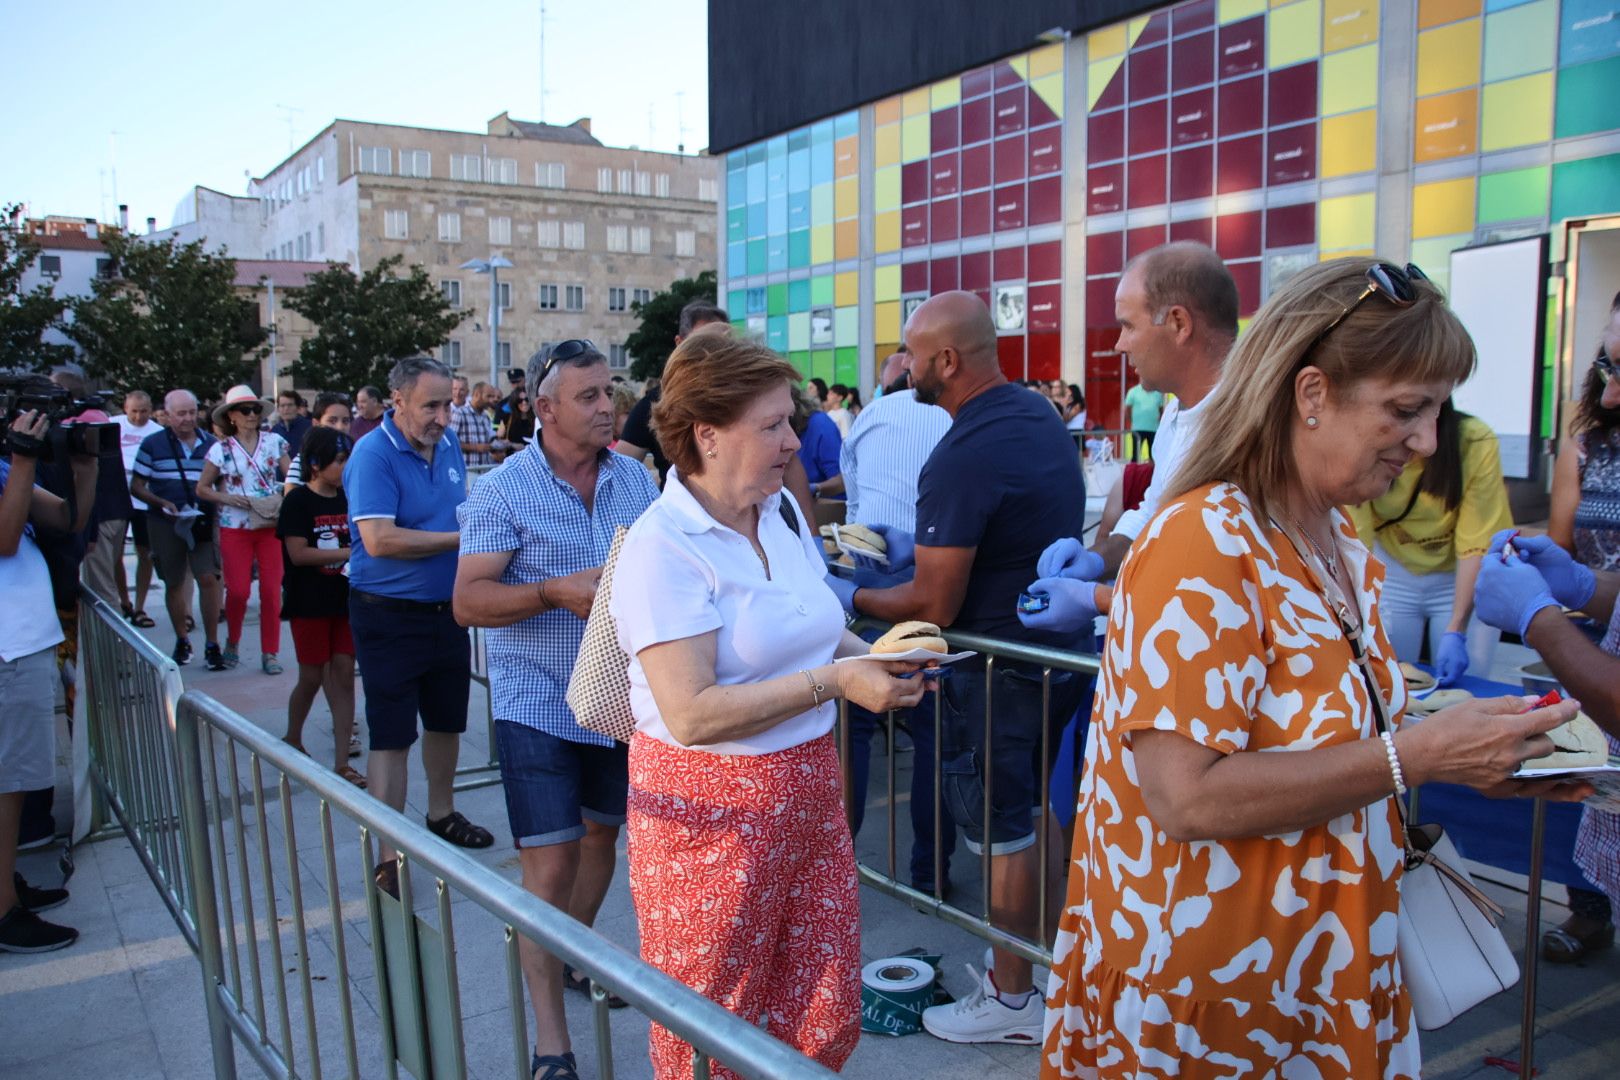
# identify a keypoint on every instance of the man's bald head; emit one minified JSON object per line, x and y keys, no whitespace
{"x":179,"y":399}
{"x":959,"y":321}
{"x":892,"y":375}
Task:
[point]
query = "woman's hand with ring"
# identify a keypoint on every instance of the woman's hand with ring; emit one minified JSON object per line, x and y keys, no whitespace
{"x":876,"y":685}
{"x":1480,"y":742}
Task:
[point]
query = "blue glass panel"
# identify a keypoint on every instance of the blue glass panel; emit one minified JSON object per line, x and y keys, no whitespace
{"x":821,"y":165}
{"x":799,"y":250}
{"x":821,"y":134}
{"x":756,"y":183}
{"x":798,"y":210}
{"x":1587,"y":31}
{"x":737,"y":260}
{"x":799,"y":295}
{"x":776,"y":332}
{"x":776,"y":215}
{"x":799,"y":170}
{"x":756,"y":256}
{"x":756,"y":219}
{"x":798,"y":140}
{"x":848,"y":124}
{"x":776,"y":252}
{"x":756,"y":302}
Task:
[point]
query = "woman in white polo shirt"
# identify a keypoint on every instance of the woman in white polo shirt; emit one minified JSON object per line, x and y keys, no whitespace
{"x":741,"y":865}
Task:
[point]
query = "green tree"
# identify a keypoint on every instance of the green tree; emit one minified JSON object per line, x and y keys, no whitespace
{"x":169,"y":316}
{"x":25,"y":316}
{"x":654,"y":339}
{"x":365,"y":322}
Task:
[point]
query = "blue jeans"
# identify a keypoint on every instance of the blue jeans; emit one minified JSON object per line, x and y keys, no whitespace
{"x":920,"y":719}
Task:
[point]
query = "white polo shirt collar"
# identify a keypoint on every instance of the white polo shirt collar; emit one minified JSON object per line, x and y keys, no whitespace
{"x":687,"y":513}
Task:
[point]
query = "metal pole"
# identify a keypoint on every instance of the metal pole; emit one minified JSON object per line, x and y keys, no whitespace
{"x":1532,"y":942}
{"x":494,"y":324}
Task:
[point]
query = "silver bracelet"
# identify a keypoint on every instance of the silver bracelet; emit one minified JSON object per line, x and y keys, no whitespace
{"x":1394,"y":763}
{"x":816,"y":688}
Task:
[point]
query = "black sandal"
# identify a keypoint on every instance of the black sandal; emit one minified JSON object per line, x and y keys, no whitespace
{"x":577,"y":981}
{"x":557,"y":1066}
{"x":386,"y":875}
{"x":142,"y":620}
{"x":459,"y":831}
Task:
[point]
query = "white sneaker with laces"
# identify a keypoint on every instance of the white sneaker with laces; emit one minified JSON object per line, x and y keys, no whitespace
{"x":982,"y":1017}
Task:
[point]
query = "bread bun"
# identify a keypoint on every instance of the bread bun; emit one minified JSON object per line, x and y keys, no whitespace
{"x":1580,"y":743}
{"x":862,"y":539}
{"x":1416,"y":678}
{"x":1440,"y":699}
{"x":904,"y":637}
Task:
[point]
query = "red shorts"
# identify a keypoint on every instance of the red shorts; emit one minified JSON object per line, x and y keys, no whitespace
{"x":315,"y":641}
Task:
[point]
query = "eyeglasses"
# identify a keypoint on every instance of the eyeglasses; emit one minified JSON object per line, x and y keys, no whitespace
{"x":255,"y":410}
{"x":565,"y":350}
{"x":1399,"y":287}
{"x":1605,"y":366}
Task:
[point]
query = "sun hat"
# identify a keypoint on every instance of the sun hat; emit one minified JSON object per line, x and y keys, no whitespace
{"x":241,"y":394}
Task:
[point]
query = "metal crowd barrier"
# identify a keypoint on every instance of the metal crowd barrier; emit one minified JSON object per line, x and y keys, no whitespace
{"x":489,"y":772}
{"x":275,"y":944}
{"x":885,"y":878}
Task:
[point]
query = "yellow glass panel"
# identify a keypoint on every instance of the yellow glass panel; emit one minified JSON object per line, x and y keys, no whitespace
{"x":1350,"y":143}
{"x":1516,"y":112}
{"x":1347,"y":23}
{"x":942,"y":95}
{"x":886,"y":188}
{"x":1448,"y":58}
{"x":846,"y":155}
{"x":846,"y":197}
{"x":1436,"y":12}
{"x":1046,"y":61}
{"x":1345,"y":221}
{"x":1098,"y":76}
{"x":1137,"y":25}
{"x":914,"y":132}
{"x":886,"y":231}
{"x":821,"y":243}
{"x":846,"y":289}
{"x":846,"y":239}
{"x":1446,"y":125}
{"x":1107,"y":42}
{"x":1294,"y":33}
{"x":1050,"y":90}
{"x":886,"y":145}
{"x":914,"y":102}
{"x":1233,"y":10}
{"x":1350,"y":80}
{"x":886,"y":285}
{"x":1020,"y":64}
{"x":1442,"y":208}
{"x":1348,"y":253}
{"x":886,"y":320}
{"x":886,"y":111}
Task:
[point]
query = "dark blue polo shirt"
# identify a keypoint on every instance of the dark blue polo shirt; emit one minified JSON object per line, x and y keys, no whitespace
{"x":1006,"y":480}
{"x":387,"y":478}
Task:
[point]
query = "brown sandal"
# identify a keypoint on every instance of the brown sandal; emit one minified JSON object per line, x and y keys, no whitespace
{"x":353,"y":776}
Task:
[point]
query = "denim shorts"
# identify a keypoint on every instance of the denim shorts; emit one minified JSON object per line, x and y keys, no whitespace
{"x":1015,"y":755}
{"x":554,"y":785}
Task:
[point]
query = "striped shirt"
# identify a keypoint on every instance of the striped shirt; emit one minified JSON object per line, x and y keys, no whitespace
{"x":472,"y":426}
{"x":523,"y":507}
{"x":883,"y":456}
{"x":171,"y":471}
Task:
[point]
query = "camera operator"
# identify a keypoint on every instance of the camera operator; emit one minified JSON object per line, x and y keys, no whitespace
{"x":28,"y":668}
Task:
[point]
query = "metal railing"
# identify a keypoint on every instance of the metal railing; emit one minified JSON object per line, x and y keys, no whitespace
{"x":886,"y":879}
{"x":488,"y":772}
{"x":259,"y":935}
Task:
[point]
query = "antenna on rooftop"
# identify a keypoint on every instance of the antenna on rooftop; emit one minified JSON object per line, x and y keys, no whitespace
{"x":289,"y":111}
{"x":542,"y":63}
{"x":680,"y":121}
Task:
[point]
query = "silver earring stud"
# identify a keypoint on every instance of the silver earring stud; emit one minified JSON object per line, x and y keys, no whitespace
{"x":711,"y":453}
{"x":1310,"y":421}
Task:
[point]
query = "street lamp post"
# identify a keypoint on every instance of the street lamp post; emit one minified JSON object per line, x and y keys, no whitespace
{"x":493,"y":267}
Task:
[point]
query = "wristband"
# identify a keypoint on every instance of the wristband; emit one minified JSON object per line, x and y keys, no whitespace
{"x":816,"y":688}
{"x":544,"y":599}
{"x":1394,"y":763}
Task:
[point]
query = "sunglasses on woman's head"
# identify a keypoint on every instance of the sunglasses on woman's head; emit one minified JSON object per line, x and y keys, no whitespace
{"x":565,"y":350}
{"x":1399,"y":287}
{"x":1605,"y":367}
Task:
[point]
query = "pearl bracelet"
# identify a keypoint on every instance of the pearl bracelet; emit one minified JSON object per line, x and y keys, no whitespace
{"x":1394,"y":763}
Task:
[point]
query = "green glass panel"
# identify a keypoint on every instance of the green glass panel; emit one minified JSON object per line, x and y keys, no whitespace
{"x":756,"y":257}
{"x":1514,"y":195}
{"x":741,"y":326}
{"x":847,"y":366}
{"x":1521,"y":40}
{"x":1434,"y":256}
{"x":798,"y":330}
{"x":1582,"y":188}
{"x":776,"y":333}
{"x":737,"y":301}
{"x":1587,"y":100}
{"x":799,"y":248}
{"x":821,"y":290}
{"x":821,"y":204}
{"x":800,"y":360}
{"x":846,"y":326}
{"x":821,"y":365}
{"x":799,"y":295}
{"x":736,"y":224}
{"x":776,"y":300}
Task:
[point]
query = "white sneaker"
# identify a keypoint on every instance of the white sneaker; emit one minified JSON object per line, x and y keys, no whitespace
{"x":983,"y":1017}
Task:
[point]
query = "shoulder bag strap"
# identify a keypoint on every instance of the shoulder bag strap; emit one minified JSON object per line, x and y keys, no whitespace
{"x":789,"y":515}
{"x":180,"y":463}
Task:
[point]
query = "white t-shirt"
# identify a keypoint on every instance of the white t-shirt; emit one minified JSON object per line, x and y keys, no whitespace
{"x":1177,"y":429}
{"x":681,"y":574}
{"x":130,"y":438}
{"x":843,"y":418}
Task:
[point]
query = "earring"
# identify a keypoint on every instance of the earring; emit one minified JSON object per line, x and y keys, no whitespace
{"x":711,"y":453}
{"x":1310,"y":421}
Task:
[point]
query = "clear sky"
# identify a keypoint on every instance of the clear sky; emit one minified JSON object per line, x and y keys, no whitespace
{"x":181,"y":92}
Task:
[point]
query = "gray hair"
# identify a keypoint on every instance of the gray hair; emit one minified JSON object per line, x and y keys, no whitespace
{"x":176,"y":397}
{"x":403,"y":375}
{"x":548,"y":388}
{"x":1189,"y":275}
{"x":137,"y":395}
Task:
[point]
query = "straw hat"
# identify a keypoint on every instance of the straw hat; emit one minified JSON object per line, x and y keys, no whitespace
{"x":240,"y":395}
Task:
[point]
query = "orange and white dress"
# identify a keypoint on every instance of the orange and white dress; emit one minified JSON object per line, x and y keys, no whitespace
{"x":1265,"y":956}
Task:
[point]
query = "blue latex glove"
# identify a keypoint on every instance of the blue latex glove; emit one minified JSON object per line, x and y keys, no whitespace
{"x":902,"y":552}
{"x":1451,"y":662}
{"x":1070,"y":559}
{"x":868,"y":577}
{"x":1570,"y":583}
{"x":1509,"y":594}
{"x":1073,"y":605}
{"x":844,"y":589}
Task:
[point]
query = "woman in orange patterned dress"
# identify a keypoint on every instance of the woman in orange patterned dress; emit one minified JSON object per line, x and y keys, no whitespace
{"x":1237,"y":857}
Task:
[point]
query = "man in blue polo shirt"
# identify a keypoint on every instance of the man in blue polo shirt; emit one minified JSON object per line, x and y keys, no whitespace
{"x":534,"y":536}
{"x":1003,"y":483}
{"x":404,"y":486}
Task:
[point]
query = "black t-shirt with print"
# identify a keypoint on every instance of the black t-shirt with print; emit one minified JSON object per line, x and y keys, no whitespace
{"x":314,"y":592}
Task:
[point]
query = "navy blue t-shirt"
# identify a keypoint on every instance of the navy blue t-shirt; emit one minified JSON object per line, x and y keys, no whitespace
{"x":1006,"y":480}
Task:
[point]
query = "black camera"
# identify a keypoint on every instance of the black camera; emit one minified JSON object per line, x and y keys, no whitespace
{"x":64,"y":438}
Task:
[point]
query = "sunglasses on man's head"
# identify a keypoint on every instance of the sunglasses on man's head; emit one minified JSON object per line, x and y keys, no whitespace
{"x":1399,"y":287}
{"x":565,"y":350}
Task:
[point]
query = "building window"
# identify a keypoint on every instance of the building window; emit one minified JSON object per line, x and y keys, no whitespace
{"x":504,"y":291}
{"x":504,"y":351}
{"x":685,"y":242}
{"x":320,"y":239}
{"x":618,"y":356}
{"x":604,"y":181}
{"x":503,"y":170}
{"x":641,"y":239}
{"x":640,"y":296}
{"x":299,"y":251}
{"x":575,"y":297}
{"x":320,"y":171}
{"x":104,"y":269}
{"x":574,"y":235}
{"x":708,"y":190}
{"x":549,"y":174}
{"x":500,"y":230}
{"x":450,"y":227}
{"x":616,"y":300}
{"x":396,"y":225}
{"x":415,"y":163}
{"x":662,"y":185}
{"x":375,"y":159}
{"x":50,"y":266}
{"x":618,"y":238}
{"x":627,"y":181}
{"x":452,"y":292}
{"x":549,"y":234}
{"x":450,"y":351}
{"x":548,"y":298}
{"x":643,"y":183}
{"x":466,"y":167}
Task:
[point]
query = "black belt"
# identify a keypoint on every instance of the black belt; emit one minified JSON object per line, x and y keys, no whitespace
{"x":396,"y":603}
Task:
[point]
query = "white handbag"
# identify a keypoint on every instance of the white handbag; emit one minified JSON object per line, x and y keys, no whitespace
{"x":599,"y":688}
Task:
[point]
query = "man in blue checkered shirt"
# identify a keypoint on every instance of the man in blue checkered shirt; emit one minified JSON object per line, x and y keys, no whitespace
{"x":534,"y":534}
{"x":473,"y":430}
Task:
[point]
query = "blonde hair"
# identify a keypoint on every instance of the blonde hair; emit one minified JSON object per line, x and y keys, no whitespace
{"x":1245,"y":435}
{"x":712,"y":377}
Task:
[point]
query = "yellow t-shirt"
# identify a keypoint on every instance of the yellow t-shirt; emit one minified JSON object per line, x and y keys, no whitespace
{"x":1430,"y":539}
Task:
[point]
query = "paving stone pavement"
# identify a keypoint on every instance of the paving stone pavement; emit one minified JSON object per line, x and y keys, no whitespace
{"x":126,"y":1000}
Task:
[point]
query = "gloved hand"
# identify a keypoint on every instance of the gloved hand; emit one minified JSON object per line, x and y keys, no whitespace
{"x":1508,"y":594}
{"x":1070,"y":559}
{"x":870,"y":577}
{"x":844,"y":589}
{"x":1451,"y":662}
{"x":1073,"y":605}
{"x":1570,"y":583}
{"x":902,"y":552}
